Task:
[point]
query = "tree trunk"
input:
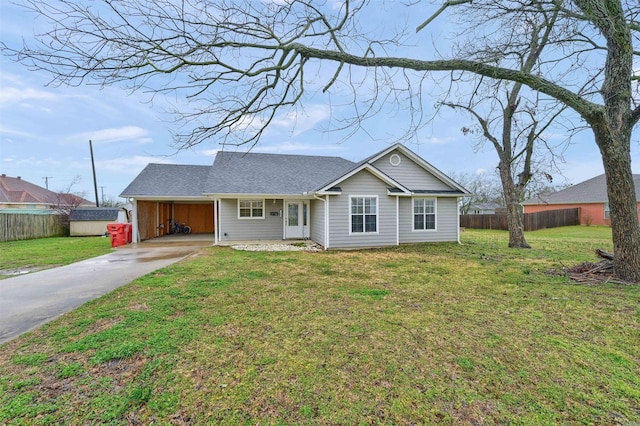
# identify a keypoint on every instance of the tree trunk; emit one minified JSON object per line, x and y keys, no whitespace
{"x":514,"y":213}
{"x":616,"y":157}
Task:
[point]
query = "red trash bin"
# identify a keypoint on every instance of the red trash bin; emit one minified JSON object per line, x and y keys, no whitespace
{"x":118,"y":235}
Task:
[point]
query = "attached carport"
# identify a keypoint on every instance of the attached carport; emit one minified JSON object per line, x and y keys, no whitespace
{"x":154,"y":216}
{"x":169,"y":192}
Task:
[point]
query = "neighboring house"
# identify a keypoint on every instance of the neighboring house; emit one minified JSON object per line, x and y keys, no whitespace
{"x":590,"y":196}
{"x":485,"y":208}
{"x":390,"y":198}
{"x":16,"y":193}
{"x":92,"y":221}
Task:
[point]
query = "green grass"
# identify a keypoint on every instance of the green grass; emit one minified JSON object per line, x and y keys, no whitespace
{"x":471,"y":333}
{"x":50,"y":252}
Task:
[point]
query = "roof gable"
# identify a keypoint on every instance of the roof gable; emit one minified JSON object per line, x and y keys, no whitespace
{"x":593,"y":190}
{"x":439,"y":183}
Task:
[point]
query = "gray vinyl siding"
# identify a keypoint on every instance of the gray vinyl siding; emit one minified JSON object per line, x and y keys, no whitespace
{"x":409,"y":174}
{"x":269,"y":228}
{"x":446,"y":222}
{"x":362,"y":184}
{"x":317,"y":221}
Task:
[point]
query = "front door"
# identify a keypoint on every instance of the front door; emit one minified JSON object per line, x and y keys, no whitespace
{"x":294,"y":220}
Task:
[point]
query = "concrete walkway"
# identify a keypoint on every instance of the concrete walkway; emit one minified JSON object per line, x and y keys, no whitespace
{"x":30,"y":300}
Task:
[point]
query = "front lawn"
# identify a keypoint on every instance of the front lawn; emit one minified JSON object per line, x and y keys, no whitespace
{"x":45,"y":253}
{"x":436,"y":333}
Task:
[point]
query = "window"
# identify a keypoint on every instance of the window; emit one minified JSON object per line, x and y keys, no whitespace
{"x":364,"y":214}
{"x":424,"y":214}
{"x":607,"y":211}
{"x":250,"y":209}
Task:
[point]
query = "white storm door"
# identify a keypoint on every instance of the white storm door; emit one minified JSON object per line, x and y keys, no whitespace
{"x":293,"y":227}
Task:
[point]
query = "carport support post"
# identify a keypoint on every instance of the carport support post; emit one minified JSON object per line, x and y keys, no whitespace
{"x":134,"y":222}
{"x":215,"y":221}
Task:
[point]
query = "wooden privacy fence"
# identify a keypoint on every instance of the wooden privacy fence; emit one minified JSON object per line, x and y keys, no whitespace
{"x":19,"y":226}
{"x":532,"y":221}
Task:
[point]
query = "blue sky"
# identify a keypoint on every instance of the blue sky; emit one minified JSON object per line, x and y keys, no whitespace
{"x":45,"y":132}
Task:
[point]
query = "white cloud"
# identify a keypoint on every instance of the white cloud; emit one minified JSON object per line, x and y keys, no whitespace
{"x":11,"y":132}
{"x":299,"y":123}
{"x":129,"y":165}
{"x":433,"y":140}
{"x":209,"y":152}
{"x":12,"y":96}
{"x":117,"y":134}
{"x":296,"y":147}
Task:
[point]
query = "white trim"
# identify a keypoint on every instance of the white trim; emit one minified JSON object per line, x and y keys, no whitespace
{"x":220,"y":230}
{"x":326,"y":223}
{"x":134,"y":220}
{"x":435,"y":215}
{"x":193,"y":199}
{"x":266,"y":196}
{"x":395,"y":194}
{"x":458,"y":220}
{"x":377,"y":231}
{"x":397,"y":221}
{"x":215,"y":222}
{"x":395,"y":160}
{"x":251,"y":200}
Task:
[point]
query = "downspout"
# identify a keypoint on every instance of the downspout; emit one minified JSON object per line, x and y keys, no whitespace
{"x":326,"y":219}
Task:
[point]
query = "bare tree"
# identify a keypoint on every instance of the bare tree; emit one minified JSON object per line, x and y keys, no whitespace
{"x":516,"y":133}
{"x":66,"y":200}
{"x":242,"y":62}
{"x":484,"y":188}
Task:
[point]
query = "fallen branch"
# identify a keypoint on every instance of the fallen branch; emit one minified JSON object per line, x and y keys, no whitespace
{"x":604,"y":255}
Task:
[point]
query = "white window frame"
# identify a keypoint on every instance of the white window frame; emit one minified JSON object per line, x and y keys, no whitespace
{"x":377,"y":231}
{"x":607,"y":211}
{"x":435,"y":214}
{"x":251,"y":208}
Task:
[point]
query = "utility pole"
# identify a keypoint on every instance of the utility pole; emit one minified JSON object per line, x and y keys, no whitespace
{"x":93,"y":167}
{"x":46,"y":181}
{"x":102,"y":194}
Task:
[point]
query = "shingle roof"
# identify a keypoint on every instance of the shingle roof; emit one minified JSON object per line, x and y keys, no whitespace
{"x":256,"y":173}
{"x":19,"y":191}
{"x":94,"y":213}
{"x":171,"y":180}
{"x":593,"y":190}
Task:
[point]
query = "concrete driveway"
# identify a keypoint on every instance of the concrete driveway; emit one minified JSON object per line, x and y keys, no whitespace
{"x":30,"y":300}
